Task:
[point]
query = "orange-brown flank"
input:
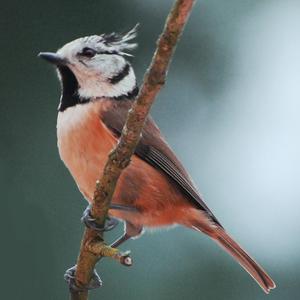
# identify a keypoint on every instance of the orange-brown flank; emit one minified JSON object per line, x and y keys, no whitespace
{"x":84,"y":143}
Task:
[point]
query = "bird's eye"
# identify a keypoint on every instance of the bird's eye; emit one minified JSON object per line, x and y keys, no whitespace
{"x":88,"y":52}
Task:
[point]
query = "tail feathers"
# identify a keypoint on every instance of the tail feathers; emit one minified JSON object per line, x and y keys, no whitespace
{"x":254,"y":269}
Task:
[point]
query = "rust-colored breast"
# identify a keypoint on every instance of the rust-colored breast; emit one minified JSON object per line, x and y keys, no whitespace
{"x":84,"y":143}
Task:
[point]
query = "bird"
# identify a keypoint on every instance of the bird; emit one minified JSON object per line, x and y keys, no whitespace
{"x":98,"y":87}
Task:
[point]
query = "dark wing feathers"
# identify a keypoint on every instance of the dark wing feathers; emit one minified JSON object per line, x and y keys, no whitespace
{"x":153,"y":149}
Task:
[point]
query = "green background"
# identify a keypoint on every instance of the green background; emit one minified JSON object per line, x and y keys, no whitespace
{"x":230,"y":110}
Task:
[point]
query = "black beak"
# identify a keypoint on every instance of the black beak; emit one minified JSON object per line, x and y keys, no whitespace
{"x":53,"y":58}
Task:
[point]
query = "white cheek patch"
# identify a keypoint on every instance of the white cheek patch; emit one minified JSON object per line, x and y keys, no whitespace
{"x":92,"y":84}
{"x":126,"y":85}
{"x":108,"y":65}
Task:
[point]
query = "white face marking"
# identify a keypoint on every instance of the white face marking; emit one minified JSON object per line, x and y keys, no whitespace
{"x":93,"y":87}
{"x":94,"y":73}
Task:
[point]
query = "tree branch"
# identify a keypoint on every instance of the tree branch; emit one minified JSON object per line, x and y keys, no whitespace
{"x":92,"y":245}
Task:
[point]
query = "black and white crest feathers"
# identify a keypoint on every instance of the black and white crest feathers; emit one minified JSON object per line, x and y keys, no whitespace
{"x":120,"y":42}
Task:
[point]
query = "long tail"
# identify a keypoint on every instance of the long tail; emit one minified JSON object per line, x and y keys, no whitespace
{"x":248,"y":263}
{"x":234,"y":249}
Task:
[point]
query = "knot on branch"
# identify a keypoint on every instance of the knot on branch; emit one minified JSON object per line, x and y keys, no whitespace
{"x":157,"y":78}
{"x":100,"y":192}
{"x":124,"y":258}
{"x":119,"y":161}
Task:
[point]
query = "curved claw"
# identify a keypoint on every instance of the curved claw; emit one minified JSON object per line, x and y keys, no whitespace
{"x":90,"y":222}
{"x":110,"y":223}
{"x":95,"y":282}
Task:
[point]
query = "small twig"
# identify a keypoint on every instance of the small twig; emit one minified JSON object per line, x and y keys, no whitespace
{"x":92,"y":245}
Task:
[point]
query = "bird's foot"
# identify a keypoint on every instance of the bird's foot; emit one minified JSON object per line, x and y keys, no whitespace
{"x":90,"y":222}
{"x":94,"y":283}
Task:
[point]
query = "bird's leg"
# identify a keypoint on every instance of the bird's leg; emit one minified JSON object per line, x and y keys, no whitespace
{"x":90,"y":222}
{"x":130,"y":231}
{"x":110,"y":222}
{"x":70,"y":275}
{"x":123,"y":238}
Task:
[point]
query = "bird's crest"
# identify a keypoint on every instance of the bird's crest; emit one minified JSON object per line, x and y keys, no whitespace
{"x":120,"y":42}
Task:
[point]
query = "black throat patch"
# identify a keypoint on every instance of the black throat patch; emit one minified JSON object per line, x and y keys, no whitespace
{"x":70,"y":97}
{"x":69,"y":94}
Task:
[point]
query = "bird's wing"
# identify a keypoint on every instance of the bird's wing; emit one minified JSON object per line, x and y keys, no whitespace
{"x":153,"y":149}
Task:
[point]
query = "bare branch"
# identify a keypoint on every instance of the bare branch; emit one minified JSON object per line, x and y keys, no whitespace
{"x":92,"y":245}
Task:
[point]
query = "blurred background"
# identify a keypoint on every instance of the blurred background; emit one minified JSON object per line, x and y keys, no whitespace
{"x":230,"y":109}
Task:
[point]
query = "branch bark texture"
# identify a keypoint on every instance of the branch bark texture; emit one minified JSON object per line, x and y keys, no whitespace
{"x":92,"y":245}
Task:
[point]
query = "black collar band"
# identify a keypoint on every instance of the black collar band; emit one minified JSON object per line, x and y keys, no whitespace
{"x":70,"y":96}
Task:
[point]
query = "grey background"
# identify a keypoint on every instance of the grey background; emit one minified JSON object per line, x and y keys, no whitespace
{"x":230,"y":110}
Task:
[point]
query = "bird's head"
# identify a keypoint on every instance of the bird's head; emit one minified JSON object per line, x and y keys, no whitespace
{"x":95,"y":66}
